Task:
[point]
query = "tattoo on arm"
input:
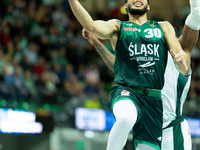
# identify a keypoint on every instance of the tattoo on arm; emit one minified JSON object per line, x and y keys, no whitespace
{"x":118,"y":21}
{"x":106,"y":55}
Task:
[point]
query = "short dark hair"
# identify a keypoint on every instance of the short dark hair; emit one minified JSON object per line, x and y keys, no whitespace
{"x":125,"y":1}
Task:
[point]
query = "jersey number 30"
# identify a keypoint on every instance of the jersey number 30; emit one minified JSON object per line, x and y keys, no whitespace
{"x":153,"y":32}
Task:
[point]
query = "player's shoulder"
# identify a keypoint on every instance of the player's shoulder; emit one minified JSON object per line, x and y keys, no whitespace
{"x":118,"y":21}
{"x":165,"y":25}
{"x":115,"y":22}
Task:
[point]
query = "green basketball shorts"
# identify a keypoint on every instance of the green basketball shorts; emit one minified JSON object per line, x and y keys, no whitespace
{"x":148,"y":128}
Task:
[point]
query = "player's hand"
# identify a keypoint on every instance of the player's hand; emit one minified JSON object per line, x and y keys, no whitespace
{"x":180,"y":59}
{"x":85,"y":33}
{"x":90,"y":37}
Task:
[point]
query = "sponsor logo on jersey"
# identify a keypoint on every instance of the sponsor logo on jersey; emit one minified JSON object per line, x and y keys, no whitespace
{"x":143,"y":49}
{"x":130,"y":24}
{"x":145,"y":55}
{"x":132,"y":29}
{"x":153,"y":25}
{"x":160,"y":138}
{"x":125,"y":93}
{"x":147,"y":64}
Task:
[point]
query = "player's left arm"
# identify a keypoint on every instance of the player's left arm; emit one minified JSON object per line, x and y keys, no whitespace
{"x":106,"y":55}
{"x":181,"y":58}
{"x":188,"y":39}
{"x":191,"y":28}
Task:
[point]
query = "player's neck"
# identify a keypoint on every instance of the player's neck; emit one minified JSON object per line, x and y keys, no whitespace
{"x":138,"y":19}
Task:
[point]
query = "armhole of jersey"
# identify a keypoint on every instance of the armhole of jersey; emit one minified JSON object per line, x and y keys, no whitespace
{"x":118,"y":38}
{"x":115,"y":52}
{"x":164,"y":36}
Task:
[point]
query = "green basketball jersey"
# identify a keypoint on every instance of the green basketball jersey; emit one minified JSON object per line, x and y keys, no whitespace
{"x":140,"y":55}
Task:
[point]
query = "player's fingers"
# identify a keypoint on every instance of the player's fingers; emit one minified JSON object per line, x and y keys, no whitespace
{"x":172,"y":53}
{"x":185,"y":66}
{"x":179,"y":57}
{"x":179,"y":60}
{"x":84,"y":33}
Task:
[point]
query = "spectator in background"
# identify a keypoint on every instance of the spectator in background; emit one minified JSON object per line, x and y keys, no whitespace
{"x":92,"y":102}
{"x":15,"y":82}
{"x":45,"y":47}
{"x":47,"y":88}
{"x":8,"y":67}
{"x":73,"y":86}
{"x":40,"y":67}
{"x":2,"y":64}
{"x":29,"y":83}
{"x":62,"y":56}
{"x":18,"y":54}
{"x":70,"y":35}
{"x":5,"y":37}
{"x":191,"y":101}
{"x":36,"y":19}
{"x":22,"y":42}
{"x":68,"y":73}
{"x":61,"y":17}
{"x":59,"y":57}
{"x":53,"y":35}
{"x":31,"y":52}
{"x":57,"y":69}
{"x":9,"y":15}
{"x":81,"y":72}
{"x":92,"y":78}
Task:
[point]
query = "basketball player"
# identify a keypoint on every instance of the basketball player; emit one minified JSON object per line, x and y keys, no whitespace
{"x":176,"y":134}
{"x":141,"y":51}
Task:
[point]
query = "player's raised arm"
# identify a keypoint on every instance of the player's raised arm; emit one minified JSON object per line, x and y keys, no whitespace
{"x":173,"y":44}
{"x":102,"y":29}
{"x":191,"y":28}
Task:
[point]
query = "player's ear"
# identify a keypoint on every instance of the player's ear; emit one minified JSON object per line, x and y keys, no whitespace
{"x":148,"y":7}
{"x":125,"y":6}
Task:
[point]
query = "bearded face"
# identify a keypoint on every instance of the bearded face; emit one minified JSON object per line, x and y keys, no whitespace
{"x":134,"y":11}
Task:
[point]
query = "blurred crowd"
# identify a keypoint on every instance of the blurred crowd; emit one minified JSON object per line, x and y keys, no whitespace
{"x":47,"y":66}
